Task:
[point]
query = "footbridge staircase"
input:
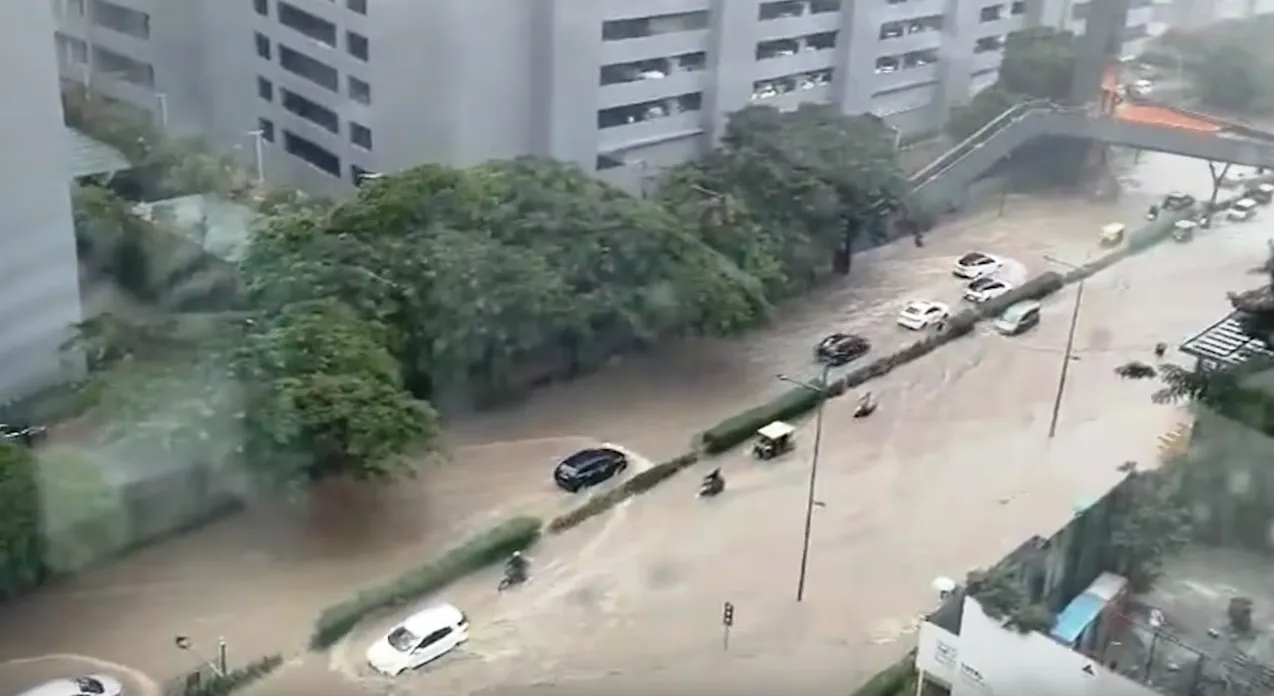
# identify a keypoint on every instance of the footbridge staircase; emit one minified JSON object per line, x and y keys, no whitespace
{"x":1143,"y":125}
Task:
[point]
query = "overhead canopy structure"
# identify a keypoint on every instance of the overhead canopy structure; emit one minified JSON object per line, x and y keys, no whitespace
{"x":90,"y":157}
{"x":1226,"y":344}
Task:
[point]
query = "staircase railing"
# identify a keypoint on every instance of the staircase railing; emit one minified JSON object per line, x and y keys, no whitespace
{"x":983,"y":134}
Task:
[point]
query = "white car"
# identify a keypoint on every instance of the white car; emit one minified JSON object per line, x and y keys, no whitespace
{"x":1242,"y":209}
{"x":986,"y":288}
{"x":922,"y":314}
{"x":91,"y":685}
{"x":421,"y":638}
{"x":976,"y":264}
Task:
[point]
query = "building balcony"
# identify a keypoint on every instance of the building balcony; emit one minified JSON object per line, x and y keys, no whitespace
{"x":903,"y":78}
{"x":796,"y":64}
{"x":789,"y":101}
{"x":912,"y":9}
{"x":792,"y":27}
{"x":986,"y":61}
{"x":658,"y":46}
{"x":650,"y":131}
{"x":914,"y":41}
{"x":676,"y":83}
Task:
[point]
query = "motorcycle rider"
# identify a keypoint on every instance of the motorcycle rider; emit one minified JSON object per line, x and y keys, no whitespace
{"x":714,"y":481}
{"x":866,"y":402}
{"x":517,"y":567}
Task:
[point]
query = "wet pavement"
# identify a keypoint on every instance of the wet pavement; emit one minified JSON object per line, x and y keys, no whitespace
{"x":955,"y":469}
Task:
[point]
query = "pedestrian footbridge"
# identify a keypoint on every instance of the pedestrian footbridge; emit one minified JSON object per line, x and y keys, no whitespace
{"x":1139,"y":124}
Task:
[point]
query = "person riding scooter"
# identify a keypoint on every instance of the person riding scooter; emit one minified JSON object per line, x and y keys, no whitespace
{"x":713,"y":483}
{"x":1160,"y":349}
{"x":866,"y":404}
{"x":517,"y":568}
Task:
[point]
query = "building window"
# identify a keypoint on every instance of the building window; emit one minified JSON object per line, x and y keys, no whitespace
{"x":305,"y":23}
{"x":123,"y":67}
{"x":652,"y":69}
{"x":359,"y":6}
{"x":311,"y":152}
{"x":265,"y":88}
{"x":649,"y":111}
{"x":621,"y":29}
{"x":122,"y":19}
{"x":262,"y":7}
{"x":315,"y":71}
{"x":779,"y":48}
{"x":359,"y":91}
{"x":988,"y":44}
{"x":991,"y":13}
{"x":357,"y":45}
{"x":263,"y":45}
{"x":266,"y":126}
{"x":317,"y":114}
{"x":1018,"y":8}
{"x":360,"y":135}
{"x":796,"y":8}
{"x":766,"y":89}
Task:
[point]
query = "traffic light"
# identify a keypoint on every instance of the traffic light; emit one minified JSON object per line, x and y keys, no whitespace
{"x":727,"y":614}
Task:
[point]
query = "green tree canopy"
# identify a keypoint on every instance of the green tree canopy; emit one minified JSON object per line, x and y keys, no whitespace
{"x":779,"y":195}
{"x":22,"y":562}
{"x":1039,"y":63}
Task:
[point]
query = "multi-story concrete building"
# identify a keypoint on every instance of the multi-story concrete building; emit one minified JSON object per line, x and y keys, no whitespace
{"x":41,"y":298}
{"x":334,"y":88}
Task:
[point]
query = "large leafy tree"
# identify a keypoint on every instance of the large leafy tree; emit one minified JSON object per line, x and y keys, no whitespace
{"x":786,"y":190}
{"x":1039,"y":63}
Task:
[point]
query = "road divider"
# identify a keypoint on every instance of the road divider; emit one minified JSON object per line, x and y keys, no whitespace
{"x":235,"y":679}
{"x":639,"y":483}
{"x":482,"y":551}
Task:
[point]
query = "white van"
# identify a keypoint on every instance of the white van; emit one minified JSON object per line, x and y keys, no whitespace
{"x":1018,"y":318}
{"x":1242,"y":209}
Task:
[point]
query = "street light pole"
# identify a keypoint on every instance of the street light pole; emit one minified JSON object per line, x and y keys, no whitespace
{"x":258,"y":151}
{"x":809,"y":498}
{"x":1067,"y":353}
{"x":162,"y":100}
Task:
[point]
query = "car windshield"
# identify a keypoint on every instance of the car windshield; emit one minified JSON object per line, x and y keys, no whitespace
{"x":89,"y":685}
{"x":1016,"y":312}
{"x":915,"y":309}
{"x":402,"y":640}
{"x":983,"y":284}
{"x":973,"y":259}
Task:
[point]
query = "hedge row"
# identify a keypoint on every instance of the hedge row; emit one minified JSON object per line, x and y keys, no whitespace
{"x":898,"y":679}
{"x":800,"y":400}
{"x":491,"y":547}
{"x":235,"y":679}
{"x":640,"y":483}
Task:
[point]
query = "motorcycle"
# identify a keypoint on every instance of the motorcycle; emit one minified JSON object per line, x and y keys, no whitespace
{"x":866,"y":406}
{"x":711,"y":487}
{"x":514,"y":575}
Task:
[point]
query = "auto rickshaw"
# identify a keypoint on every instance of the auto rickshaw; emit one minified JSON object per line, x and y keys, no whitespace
{"x":1112,"y":234}
{"x":773,"y":440}
{"x":1183,"y":230}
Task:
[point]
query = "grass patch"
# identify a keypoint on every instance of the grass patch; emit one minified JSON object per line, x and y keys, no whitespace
{"x":235,"y":679}
{"x":486,"y":549}
{"x":636,"y":485}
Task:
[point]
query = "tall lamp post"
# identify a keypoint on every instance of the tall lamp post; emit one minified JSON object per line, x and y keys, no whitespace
{"x":1070,"y":347}
{"x":821,"y":389}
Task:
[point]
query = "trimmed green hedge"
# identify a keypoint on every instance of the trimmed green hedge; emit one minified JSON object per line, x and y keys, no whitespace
{"x":640,"y":483}
{"x":236,"y":679}
{"x":22,"y":563}
{"x":491,"y":547}
{"x":732,"y":431}
{"x":898,"y":679}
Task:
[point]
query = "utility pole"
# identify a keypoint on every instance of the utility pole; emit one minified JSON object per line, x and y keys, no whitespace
{"x":821,"y":389}
{"x":1067,"y":355}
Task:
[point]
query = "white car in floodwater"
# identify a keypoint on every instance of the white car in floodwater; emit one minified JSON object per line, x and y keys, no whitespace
{"x":91,"y":685}
{"x":986,"y":288}
{"x":922,"y":314}
{"x":976,"y":264}
{"x":421,"y":638}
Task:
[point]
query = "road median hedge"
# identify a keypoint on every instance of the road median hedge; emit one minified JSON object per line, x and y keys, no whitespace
{"x":235,"y":679}
{"x":638,"y":484}
{"x":898,"y":679}
{"x":486,"y":549}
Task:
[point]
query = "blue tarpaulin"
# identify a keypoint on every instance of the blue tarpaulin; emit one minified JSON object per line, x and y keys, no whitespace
{"x":1077,"y":616}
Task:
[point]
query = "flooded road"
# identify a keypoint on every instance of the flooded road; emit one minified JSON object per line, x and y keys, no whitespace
{"x":953,"y":470}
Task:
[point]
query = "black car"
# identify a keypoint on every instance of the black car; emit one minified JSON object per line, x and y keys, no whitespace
{"x":22,"y":434}
{"x":588,"y":468}
{"x":1177,"y":201}
{"x":840,"y":348}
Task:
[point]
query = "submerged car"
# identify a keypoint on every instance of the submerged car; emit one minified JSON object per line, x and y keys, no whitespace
{"x":976,"y":264}
{"x":840,"y":348}
{"x":422,"y":638}
{"x":986,"y":288}
{"x":922,"y":314}
{"x":589,"y":467}
{"x":1019,"y":318}
{"x":1242,"y":209}
{"x":1177,"y":201}
{"x":91,"y":685}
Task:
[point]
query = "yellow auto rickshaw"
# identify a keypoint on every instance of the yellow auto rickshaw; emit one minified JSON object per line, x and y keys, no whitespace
{"x":1112,"y":234}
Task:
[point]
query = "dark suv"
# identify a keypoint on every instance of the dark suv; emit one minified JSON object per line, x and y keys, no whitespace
{"x":588,"y":468}
{"x":840,"y":348}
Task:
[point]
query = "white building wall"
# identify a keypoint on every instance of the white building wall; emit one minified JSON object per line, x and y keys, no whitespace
{"x":988,"y":659}
{"x":41,"y":297}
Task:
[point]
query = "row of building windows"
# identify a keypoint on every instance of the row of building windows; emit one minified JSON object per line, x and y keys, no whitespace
{"x":314,"y":112}
{"x":649,"y":111}
{"x":316,"y":28}
{"x":358,"y":6}
{"x":312,"y":153}
{"x":122,"y":19}
{"x":767,"y":89}
{"x":779,"y":48}
{"x":919,"y":25}
{"x":651,"y":69}
{"x":314,"y":70}
{"x":796,"y":8}
{"x":105,"y":61}
{"x":906,"y":61}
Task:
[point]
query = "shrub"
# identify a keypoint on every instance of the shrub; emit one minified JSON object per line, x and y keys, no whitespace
{"x":732,"y":431}
{"x":1036,"y":288}
{"x":22,"y":565}
{"x":897,"y":679}
{"x":483,"y":550}
{"x":636,"y":485}
{"x":235,"y":679}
